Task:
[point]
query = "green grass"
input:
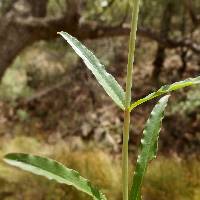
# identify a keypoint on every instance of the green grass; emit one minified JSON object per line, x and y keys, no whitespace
{"x":167,"y":178}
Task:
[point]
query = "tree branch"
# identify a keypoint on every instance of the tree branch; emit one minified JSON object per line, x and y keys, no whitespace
{"x":194,"y":17}
{"x":91,"y":30}
{"x":17,"y":32}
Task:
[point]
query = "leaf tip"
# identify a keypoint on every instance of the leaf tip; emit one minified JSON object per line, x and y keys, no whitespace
{"x":165,"y":98}
{"x":8,"y":157}
{"x":13,"y":157}
{"x":63,"y":34}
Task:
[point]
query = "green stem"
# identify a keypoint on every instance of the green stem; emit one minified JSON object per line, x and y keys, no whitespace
{"x":132,"y":42}
{"x":125,"y":154}
{"x":131,"y":53}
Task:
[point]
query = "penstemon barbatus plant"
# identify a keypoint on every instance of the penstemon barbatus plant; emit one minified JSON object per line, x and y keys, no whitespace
{"x":149,"y":142}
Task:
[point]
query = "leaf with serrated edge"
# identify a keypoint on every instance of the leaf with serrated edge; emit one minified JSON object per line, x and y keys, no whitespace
{"x":106,"y":80}
{"x":53,"y":170}
{"x":148,"y":148}
{"x":166,"y":89}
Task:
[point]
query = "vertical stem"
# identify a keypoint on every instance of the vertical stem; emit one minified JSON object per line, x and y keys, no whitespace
{"x":125,"y":154}
{"x":132,"y":41}
{"x":126,"y":129}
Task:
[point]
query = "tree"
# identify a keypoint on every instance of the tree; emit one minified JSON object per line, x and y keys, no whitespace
{"x":23,"y":22}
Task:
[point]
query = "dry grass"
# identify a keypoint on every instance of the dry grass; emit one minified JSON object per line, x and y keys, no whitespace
{"x":167,"y":179}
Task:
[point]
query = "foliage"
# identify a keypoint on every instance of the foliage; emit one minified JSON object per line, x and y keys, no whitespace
{"x":149,"y":146}
{"x":107,"y":81}
{"x":166,"y":89}
{"x":106,"y":174}
{"x":54,"y":170}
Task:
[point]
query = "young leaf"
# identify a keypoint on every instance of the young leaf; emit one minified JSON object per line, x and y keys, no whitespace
{"x":166,"y":89}
{"x":106,"y":80}
{"x":148,"y":148}
{"x":53,"y":170}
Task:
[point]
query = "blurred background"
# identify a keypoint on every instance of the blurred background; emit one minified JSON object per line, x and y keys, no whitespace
{"x":51,"y":105}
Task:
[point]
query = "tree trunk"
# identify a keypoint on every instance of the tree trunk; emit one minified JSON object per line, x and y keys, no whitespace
{"x":15,"y":36}
{"x":13,"y":39}
{"x":164,"y":33}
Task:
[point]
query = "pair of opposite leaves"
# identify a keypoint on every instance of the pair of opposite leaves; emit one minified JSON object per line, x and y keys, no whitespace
{"x":54,"y":170}
{"x":108,"y":82}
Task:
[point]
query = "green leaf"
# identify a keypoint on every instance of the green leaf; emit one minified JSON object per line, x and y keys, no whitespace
{"x":106,"y":80}
{"x":148,"y":148}
{"x":139,"y":196}
{"x":166,"y":89}
{"x":53,"y":170}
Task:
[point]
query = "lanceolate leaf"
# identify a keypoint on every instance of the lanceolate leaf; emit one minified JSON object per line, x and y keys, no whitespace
{"x":148,"y":148}
{"x":106,"y":80}
{"x":53,"y":170}
{"x":166,"y":89}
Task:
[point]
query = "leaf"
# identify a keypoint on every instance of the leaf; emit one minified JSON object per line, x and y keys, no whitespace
{"x":148,"y":148}
{"x":166,"y":89}
{"x":139,"y":196}
{"x":106,"y":80}
{"x":53,"y":170}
